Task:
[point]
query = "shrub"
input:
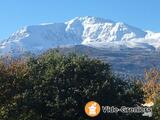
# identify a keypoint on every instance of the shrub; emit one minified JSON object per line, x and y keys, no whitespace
{"x":57,"y":87}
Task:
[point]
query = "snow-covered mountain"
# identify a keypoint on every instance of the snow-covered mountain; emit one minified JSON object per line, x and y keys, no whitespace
{"x":90,"y":31}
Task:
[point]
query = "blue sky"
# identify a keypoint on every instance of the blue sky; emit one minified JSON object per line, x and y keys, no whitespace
{"x":14,"y":14}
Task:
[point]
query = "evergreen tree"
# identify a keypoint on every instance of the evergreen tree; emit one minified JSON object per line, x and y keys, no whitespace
{"x":57,"y":87}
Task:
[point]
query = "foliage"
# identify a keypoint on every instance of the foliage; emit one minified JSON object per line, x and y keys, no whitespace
{"x":152,"y":85}
{"x":57,"y":87}
{"x":156,"y":109}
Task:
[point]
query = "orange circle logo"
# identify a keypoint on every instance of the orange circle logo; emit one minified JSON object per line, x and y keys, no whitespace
{"x":92,"y":109}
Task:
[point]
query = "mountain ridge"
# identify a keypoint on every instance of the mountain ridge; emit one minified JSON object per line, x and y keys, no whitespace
{"x":90,"y":31}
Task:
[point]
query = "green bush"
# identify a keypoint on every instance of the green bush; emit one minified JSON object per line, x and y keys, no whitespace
{"x":156,"y":109}
{"x":57,"y":87}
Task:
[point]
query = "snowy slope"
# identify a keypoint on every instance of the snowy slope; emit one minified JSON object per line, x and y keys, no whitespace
{"x":91,"y":31}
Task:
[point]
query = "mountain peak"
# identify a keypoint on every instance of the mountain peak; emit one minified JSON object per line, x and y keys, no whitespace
{"x":90,"y":19}
{"x":88,"y":30}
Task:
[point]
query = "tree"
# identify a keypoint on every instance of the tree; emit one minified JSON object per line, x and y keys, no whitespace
{"x":57,"y":87}
{"x":152,"y":85}
{"x":156,"y":109}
